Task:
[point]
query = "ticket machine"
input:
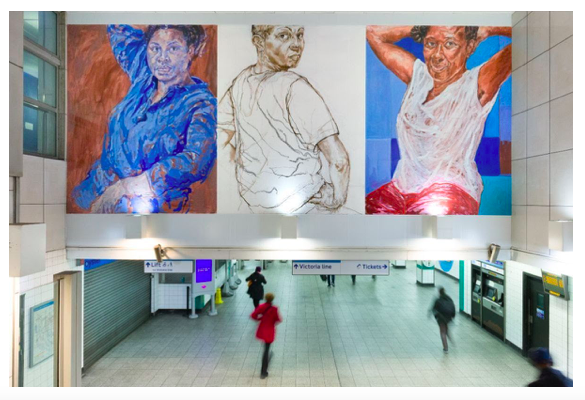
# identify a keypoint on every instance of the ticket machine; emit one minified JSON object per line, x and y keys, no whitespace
{"x":488,"y":295}
{"x":492,"y":312}
{"x":476,"y":292}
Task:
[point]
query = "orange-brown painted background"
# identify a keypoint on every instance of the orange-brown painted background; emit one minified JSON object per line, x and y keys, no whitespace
{"x":95,"y":84}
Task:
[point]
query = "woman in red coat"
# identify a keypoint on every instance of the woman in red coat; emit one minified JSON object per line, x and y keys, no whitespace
{"x":268,"y":316}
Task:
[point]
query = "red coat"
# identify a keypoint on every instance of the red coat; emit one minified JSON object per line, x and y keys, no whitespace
{"x":268,"y":316}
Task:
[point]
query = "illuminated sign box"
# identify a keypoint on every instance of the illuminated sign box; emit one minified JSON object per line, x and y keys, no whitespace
{"x":555,"y":285}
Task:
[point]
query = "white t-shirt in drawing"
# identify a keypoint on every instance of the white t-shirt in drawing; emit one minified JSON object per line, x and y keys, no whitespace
{"x":438,"y":139}
{"x":279,"y":119}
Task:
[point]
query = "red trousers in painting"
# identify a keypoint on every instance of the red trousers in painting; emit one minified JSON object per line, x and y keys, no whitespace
{"x":437,"y":199}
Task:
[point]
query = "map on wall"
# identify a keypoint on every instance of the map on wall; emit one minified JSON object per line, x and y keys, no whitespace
{"x":438,"y":120}
{"x":141,"y":119}
{"x":42,"y":326}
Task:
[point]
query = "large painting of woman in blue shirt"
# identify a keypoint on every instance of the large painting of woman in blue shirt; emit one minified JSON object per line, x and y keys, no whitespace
{"x":142,"y":119}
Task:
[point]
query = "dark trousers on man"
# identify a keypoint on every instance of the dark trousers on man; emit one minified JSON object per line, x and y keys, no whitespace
{"x":265,"y":359}
{"x":444,"y":329}
{"x":256,"y":303}
{"x":330,"y":280}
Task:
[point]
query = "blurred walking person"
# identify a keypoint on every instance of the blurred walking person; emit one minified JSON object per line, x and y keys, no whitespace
{"x":268,"y":315}
{"x":255,"y":288}
{"x":444,"y":311}
{"x":549,"y":377}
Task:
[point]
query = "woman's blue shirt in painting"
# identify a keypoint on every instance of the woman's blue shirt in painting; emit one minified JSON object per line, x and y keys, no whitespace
{"x":173,"y":140}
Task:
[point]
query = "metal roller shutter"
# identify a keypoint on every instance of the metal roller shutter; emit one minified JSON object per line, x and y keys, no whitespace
{"x":116,"y":301}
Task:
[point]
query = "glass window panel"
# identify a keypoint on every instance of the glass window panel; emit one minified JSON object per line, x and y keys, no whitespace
{"x":50,"y":136}
{"x":540,"y":301}
{"x":40,"y":131}
{"x":175,"y":278}
{"x":40,"y":80}
{"x":41,"y":28}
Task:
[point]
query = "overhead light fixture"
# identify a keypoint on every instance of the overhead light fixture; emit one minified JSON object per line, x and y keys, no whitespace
{"x":288,"y":227}
{"x":429,"y":226}
{"x":159,"y":252}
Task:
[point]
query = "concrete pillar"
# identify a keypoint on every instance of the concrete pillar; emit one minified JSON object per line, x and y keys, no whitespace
{"x":70,"y":322}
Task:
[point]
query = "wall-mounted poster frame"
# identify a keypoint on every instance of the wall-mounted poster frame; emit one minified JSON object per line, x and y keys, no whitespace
{"x":41,"y":332}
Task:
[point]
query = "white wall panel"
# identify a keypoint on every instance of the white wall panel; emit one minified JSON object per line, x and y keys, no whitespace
{"x":55,"y":181}
{"x":32,"y":181}
{"x":561,"y":124}
{"x":31,"y":214}
{"x":519,"y":227}
{"x":561,"y":69}
{"x":537,"y":131}
{"x":538,"y":33}
{"x":537,"y":81}
{"x":519,"y":182}
{"x":519,"y":89}
{"x":519,"y":136}
{"x":519,"y":43}
{"x":561,"y":26}
{"x":537,"y":229}
{"x":561,"y":178}
{"x":518,"y":16}
{"x":537,"y":181}
{"x":55,"y":221}
{"x":395,"y":237}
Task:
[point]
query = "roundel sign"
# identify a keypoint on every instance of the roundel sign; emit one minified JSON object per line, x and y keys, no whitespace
{"x":446,"y":265}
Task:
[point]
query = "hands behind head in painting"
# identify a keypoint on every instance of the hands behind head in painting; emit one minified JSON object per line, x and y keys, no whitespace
{"x":132,"y":194}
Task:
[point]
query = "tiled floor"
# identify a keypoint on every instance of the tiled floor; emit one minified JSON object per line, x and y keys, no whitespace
{"x":376,"y":333}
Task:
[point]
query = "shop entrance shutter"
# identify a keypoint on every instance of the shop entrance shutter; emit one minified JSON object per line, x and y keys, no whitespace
{"x":116,"y":302}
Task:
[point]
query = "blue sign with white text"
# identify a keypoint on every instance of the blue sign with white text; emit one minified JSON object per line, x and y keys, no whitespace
{"x":203,"y":271}
{"x":316,"y":267}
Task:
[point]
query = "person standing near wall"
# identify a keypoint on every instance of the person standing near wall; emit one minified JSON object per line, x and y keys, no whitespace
{"x":268,"y":315}
{"x":255,"y":288}
{"x":444,"y":311}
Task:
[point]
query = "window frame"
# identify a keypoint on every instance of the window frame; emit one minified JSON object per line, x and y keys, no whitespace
{"x":58,"y":61}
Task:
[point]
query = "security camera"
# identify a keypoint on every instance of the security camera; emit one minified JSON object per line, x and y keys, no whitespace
{"x":159,"y":252}
{"x":493,"y":252}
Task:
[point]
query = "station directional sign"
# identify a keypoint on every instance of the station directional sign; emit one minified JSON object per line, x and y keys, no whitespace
{"x":365,"y":267}
{"x":340,"y":267}
{"x":168,"y":266}
{"x":316,"y":267}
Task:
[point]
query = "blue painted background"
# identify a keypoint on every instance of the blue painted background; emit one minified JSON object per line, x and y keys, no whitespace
{"x":384,"y":92}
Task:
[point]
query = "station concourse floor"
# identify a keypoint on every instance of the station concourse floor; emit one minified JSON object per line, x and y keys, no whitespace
{"x":376,"y":333}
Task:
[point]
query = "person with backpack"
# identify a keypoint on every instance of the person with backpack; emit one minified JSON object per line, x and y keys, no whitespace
{"x":549,"y":377}
{"x":255,"y":288}
{"x":444,"y":311}
{"x":268,"y":315}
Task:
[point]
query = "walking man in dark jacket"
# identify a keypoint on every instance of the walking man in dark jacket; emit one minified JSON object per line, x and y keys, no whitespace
{"x":255,"y":288}
{"x":549,"y":377}
{"x":444,"y":311}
